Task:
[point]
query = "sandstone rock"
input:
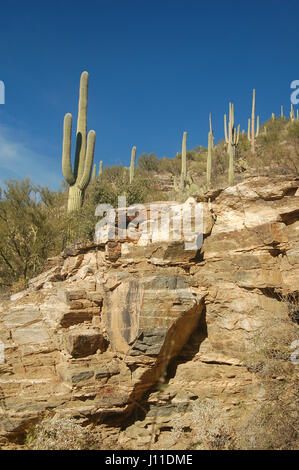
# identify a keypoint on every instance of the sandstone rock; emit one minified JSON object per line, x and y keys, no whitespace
{"x":80,"y":342}
{"x":93,"y":334}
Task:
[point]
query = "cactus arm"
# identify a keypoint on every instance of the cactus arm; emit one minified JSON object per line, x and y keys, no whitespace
{"x":66,"y":150}
{"x":101,"y":168}
{"x":248,"y":133}
{"x":91,"y":140}
{"x":80,"y":152}
{"x":94,"y":173}
{"x":257,"y":126}
{"x":132,"y":165}
{"x":225,"y":129}
{"x":238,"y":135}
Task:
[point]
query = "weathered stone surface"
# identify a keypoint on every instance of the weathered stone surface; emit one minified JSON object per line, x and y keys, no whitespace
{"x":81,"y":342}
{"x":107,"y":321}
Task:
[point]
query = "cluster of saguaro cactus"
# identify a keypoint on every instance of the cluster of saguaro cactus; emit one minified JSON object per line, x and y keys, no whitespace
{"x":252,"y":131}
{"x":232,"y":139}
{"x":132,"y":165}
{"x":79,"y":178}
{"x":292,"y":114}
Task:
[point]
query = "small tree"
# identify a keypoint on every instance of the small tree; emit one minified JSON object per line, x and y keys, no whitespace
{"x":28,"y":233}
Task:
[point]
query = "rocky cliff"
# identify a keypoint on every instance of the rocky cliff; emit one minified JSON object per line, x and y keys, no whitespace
{"x":129,"y":336}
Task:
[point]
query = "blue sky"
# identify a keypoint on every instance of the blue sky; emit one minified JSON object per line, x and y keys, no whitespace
{"x":157,"y":68}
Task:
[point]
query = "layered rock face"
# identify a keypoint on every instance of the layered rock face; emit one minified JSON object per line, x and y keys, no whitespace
{"x":94,"y":334}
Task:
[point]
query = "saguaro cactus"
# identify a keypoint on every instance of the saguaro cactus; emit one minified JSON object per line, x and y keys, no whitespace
{"x":281,"y":112}
{"x":211,"y":130}
{"x":232,"y":140}
{"x":210,"y":150}
{"x":252,"y":132}
{"x":84,"y":153}
{"x":101,"y":168}
{"x":292,"y":114}
{"x":132,"y":165}
{"x":184,"y":161}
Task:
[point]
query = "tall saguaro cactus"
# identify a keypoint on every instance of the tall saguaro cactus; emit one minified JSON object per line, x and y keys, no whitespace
{"x":209,"y":159}
{"x":292,"y":114}
{"x":232,"y":140}
{"x":210,"y":150}
{"x":211,"y":130}
{"x":101,"y":168}
{"x":132,"y":165}
{"x":252,"y":131}
{"x":84,"y":153}
{"x":184,"y":161}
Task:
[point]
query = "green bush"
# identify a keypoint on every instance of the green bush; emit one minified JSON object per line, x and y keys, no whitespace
{"x":148,"y":162}
{"x":30,"y":230}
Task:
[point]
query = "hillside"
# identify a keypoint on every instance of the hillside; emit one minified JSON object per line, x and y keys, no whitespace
{"x":148,"y":345}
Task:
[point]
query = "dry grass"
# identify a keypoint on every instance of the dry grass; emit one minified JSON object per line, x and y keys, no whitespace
{"x":60,"y":434}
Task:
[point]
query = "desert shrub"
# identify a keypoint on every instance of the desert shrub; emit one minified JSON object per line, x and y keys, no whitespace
{"x":60,"y":434}
{"x":115,"y":182}
{"x":293,"y":130}
{"x":270,"y":355}
{"x":30,"y":230}
{"x":244,"y":144}
{"x":211,"y":430}
{"x":220,"y":161}
{"x":148,"y":162}
{"x":273,"y":422}
{"x":292,"y":302}
{"x":271,"y":425}
{"x":274,"y":129}
{"x":169,"y":165}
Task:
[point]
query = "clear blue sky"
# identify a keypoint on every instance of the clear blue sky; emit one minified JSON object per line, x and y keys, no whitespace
{"x":157,"y":68}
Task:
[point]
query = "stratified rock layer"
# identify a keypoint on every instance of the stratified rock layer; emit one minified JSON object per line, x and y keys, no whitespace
{"x":93,"y":334}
